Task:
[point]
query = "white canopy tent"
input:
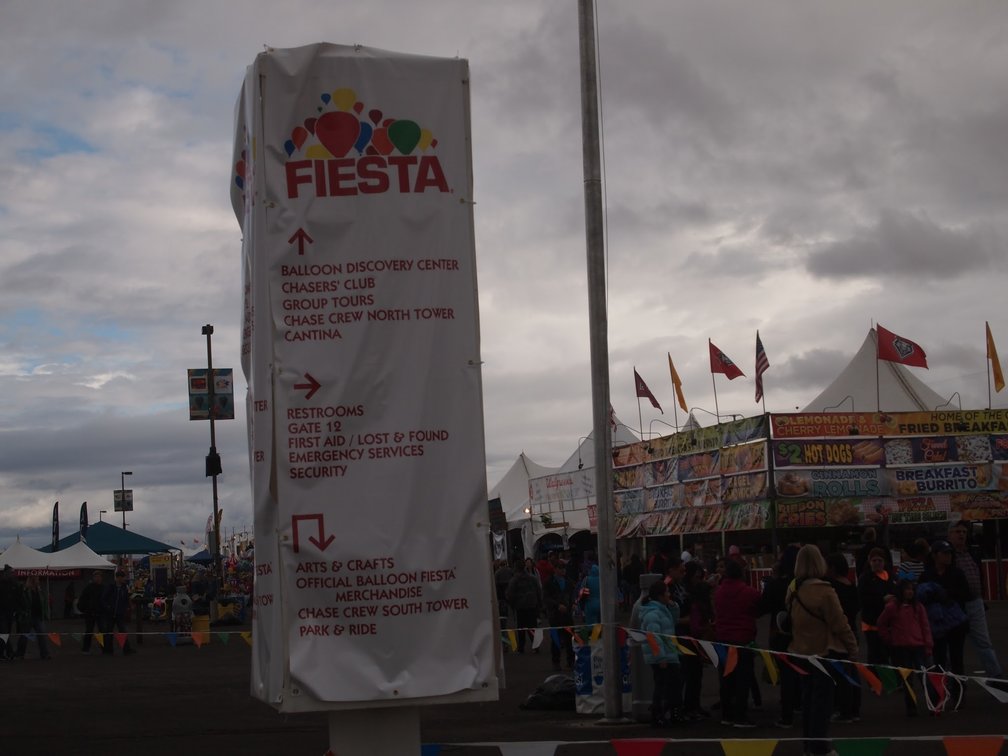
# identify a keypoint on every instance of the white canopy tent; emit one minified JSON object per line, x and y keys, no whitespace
{"x":77,"y":557}
{"x":513,"y":488}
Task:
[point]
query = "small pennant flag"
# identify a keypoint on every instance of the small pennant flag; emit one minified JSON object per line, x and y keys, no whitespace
{"x":224,"y":637}
{"x":200,"y":638}
{"x":531,"y":748}
{"x":120,"y":639}
{"x":905,"y":674}
{"x":427,"y":749}
{"x":247,"y":636}
{"x":997,"y":688}
{"x":677,"y":384}
{"x":979,"y":745}
{"x":172,"y":638}
{"x":652,"y":641}
{"x":869,"y":677}
{"x":596,"y":632}
{"x":862,"y":747}
{"x":992,"y":355}
{"x":55,"y":639}
{"x":771,"y":668}
{"x":512,"y":640}
{"x":731,"y":661}
{"x":783,"y":658}
{"x":748,"y":747}
{"x":643,"y":392}
{"x":100,"y":637}
{"x":638,"y":747}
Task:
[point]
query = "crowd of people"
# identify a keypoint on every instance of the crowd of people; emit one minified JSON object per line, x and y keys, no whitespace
{"x":915,"y":615}
{"x":106,"y":603}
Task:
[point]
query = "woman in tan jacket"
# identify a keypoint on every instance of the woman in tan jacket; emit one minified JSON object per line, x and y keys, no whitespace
{"x":819,"y":628}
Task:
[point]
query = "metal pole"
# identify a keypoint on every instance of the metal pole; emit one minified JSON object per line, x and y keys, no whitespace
{"x":599,"y":340}
{"x":213,"y":458}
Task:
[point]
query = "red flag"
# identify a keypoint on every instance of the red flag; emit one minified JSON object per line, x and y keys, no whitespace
{"x":643,"y":392}
{"x":721,"y":363}
{"x":762,"y":363}
{"x":897,"y":349}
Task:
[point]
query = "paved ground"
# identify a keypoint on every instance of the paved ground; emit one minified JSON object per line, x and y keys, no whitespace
{"x":188,"y":700}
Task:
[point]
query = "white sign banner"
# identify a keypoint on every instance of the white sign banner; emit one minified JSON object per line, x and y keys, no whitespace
{"x":575,"y":486}
{"x":362,"y":343}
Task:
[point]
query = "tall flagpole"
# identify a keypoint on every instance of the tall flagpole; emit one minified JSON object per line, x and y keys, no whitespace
{"x":717,"y":412}
{"x":878,"y":391}
{"x":599,"y":340}
{"x":990,"y":363}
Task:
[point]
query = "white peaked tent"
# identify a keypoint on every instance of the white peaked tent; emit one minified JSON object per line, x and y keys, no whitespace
{"x":77,"y":557}
{"x":513,"y":488}
{"x":899,"y":388}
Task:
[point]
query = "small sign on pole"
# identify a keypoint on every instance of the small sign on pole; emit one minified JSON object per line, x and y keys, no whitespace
{"x":123,"y":500}
{"x":223,"y":394}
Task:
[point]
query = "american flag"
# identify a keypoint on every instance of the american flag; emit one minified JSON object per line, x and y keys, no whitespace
{"x":762,"y":363}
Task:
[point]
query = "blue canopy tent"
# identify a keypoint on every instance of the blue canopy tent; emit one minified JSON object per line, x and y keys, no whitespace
{"x":200,"y":557}
{"x":105,"y":538}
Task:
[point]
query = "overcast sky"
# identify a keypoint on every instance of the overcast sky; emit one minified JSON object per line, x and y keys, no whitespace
{"x":799,"y":168}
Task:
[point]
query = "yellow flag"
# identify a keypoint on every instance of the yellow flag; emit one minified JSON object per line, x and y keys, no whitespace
{"x":748,"y":747}
{"x":995,"y":362}
{"x":677,"y":383}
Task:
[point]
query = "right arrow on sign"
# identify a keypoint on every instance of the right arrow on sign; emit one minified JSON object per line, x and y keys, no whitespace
{"x":312,"y":385}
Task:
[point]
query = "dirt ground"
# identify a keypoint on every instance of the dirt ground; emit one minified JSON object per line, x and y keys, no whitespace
{"x":187,"y":700}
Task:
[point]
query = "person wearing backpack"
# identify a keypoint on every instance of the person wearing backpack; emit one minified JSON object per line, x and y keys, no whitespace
{"x":524,"y":594}
{"x":819,"y":628}
{"x":904,"y":627}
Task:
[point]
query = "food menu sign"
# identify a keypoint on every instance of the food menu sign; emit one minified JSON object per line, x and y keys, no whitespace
{"x":353,"y":186}
{"x":719,"y":474}
{"x":918,"y":467}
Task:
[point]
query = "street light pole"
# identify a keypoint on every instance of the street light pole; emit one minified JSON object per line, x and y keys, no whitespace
{"x":122,"y":494}
{"x":213,"y":463}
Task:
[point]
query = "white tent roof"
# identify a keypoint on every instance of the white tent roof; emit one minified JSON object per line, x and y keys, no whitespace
{"x":513,"y":488}
{"x":899,"y":389}
{"x":77,"y":557}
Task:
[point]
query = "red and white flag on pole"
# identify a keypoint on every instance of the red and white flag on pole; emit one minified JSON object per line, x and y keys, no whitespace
{"x":894,"y":348}
{"x":721,"y":363}
{"x":762,"y":363}
{"x":643,"y":392}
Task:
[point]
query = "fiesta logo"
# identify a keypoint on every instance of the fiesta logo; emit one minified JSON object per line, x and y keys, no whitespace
{"x":343,"y":152}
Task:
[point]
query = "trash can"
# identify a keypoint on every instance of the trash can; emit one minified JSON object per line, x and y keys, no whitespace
{"x":641,"y":679}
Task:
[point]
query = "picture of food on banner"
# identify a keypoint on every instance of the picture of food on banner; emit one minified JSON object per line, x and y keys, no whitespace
{"x":981,"y":506}
{"x":793,"y":483}
{"x":867,"y":452}
{"x":899,"y":451}
{"x":701,"y":493}
{"x":693,"y":466}
{"x":843,"y":512}
{"x":744,"y":458}
{"x":662,"y":447}
{"x":999,"y":447}
{"x":631,"y":454}
{"x":628,"y":477}
{"x":744,"y":487}
{"x":1001,"y":471}
{"x":662,"y":498}
{"x":663,"y":471}
{"x":973,"y":448}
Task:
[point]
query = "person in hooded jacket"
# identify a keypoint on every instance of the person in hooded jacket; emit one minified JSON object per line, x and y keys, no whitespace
{"x":736,"y":608}
{"x":904,"y":627}
{"x":819,"y":628}
{"x":658,"y":616}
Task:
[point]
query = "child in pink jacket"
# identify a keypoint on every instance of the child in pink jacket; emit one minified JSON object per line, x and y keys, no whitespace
{"x":904,"y":627}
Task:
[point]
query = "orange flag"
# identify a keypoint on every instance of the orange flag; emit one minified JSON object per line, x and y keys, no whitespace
{"x":56,"y":640}
{"x":677,"y":384}
{"x":974,"y":746}
{"x":869,"y":677}
{"x":731,"y":661}
{"x":992,"y":355}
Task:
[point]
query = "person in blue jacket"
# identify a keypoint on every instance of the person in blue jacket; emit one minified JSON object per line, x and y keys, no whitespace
{"x":658,"y":616}
{"x":593,"y":601}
